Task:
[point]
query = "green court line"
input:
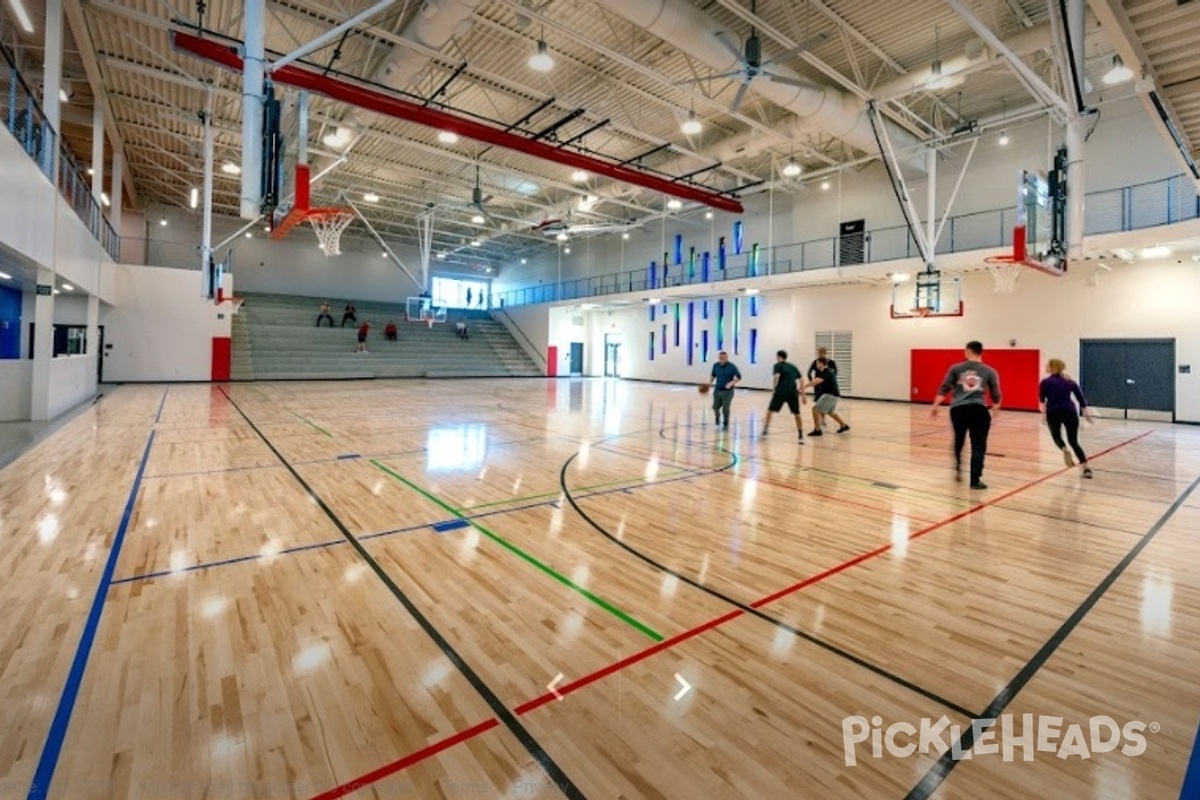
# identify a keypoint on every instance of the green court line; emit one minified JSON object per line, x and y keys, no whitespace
{"x":310,"y":422}
{"x":558,"y":576}
{"x":669,"y":474}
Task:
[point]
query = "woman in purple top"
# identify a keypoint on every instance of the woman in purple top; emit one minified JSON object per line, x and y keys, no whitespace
{"x":1056,"y":399}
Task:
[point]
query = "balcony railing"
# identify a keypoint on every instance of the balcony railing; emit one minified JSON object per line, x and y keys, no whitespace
{"x":21,"y":113}
{"x":1144,"y":205}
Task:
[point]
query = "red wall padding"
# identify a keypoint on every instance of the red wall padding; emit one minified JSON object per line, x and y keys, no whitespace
{"x":1020,"y":372}
{"x":552,"y":361}
{"x":222,"y":357}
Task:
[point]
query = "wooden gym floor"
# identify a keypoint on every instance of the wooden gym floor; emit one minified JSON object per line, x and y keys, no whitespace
{"x":366,"y":589}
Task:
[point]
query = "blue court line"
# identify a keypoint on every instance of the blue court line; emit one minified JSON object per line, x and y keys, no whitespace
{"x":450,"y":525}
{"x":48,"y":762}
{"x":161,"y":404}
{"x":410,"y":529}
{"x":348,"y":457}
{"x":1191,"y":778}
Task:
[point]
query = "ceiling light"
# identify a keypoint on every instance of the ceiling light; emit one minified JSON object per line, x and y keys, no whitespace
{"x":383,"y":254}
{"x":5,"y":276}
{"x":63,"y":96}
{"x":524,"y":261}
{"x":487,"y":269}
{"x":56,"y":291}
{"x":22,"y":15}
{"x":91,"y":171}
{"x":825,"y":186}
{"x":792,"y":169}
{"x":68,"y":287}
{"x":1159,"y":251}
{"x":691,"y":126}
{"x":541,"y":60}
{"x":750,"y":291}
{"x":441,"y":256}
{"x":163,"y":222}
{"x":625,"y":235}
{"x":478,"y":219}
{"x":249,"y":235}
{"x":562,"y":237}
{"x":266,"y":228}
{"x":229,"y":168}
{"x":371,"y":197}
{"x":579,"y":176}
{"x":899,"y":277}
{"x":1004,"y":140}
{"x":447,"y":137}
{"x":674,"y":204}
{"x":338,"y":139}
{"x":654,"y":301}
{"x":567,"y":250}
{"x":195,"y":197}
{"x":476,"y":243}
{"x":1119,"y":72}
{"x":104,"y":199}
{"x":708,"y":215}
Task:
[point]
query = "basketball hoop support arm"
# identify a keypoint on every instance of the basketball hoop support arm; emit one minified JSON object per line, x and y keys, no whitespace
{"x":206,"y":248}
{"x":957,"y":185}
{"x":395,"y":258}
{"x":329,"y":35}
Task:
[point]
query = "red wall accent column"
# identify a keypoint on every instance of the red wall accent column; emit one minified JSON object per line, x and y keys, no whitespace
{"x":552,"y":361}
{"x":1020,"y":372}
{"x":222,"y":357}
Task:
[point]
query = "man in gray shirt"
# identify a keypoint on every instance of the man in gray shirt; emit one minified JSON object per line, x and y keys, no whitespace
{"x":724,"y":377}
{"x":971,"y":382}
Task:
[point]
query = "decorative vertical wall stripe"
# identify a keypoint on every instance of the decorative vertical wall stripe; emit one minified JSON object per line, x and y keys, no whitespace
{"x":721,"y":254}
{"x":652,"y":310}
{"x":691,"y":334}
{"x":704,"y":346}
{"x":754,"y":260}
{"x":720,"y":325}
{"x":704,"y":310}
{"x":651,"y":345}
{"x":739,"y":232}
{"x":653,"y":274}
{"x":737,"y":324}
{"x":678,"y":249}
{"x":664,"y":339}
{"x":691,"y":264}
{"x":705,"y":266}
{"x":754,"y":345}
{"x":754,"y":300}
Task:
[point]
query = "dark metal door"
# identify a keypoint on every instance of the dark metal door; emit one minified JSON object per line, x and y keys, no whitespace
{"x":1130,"y":374}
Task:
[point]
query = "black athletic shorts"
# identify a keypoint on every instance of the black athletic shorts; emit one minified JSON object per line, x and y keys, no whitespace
{"x":362,"y":337}
{"x":792,"y":401}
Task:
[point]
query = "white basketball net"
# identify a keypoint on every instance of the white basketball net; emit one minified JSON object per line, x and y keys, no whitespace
{"x":1005,"y":276}
{"x":329,"y":227}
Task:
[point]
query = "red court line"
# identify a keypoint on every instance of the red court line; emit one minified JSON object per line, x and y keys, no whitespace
{"x":679,"y":638}
{"x":407,"y":761}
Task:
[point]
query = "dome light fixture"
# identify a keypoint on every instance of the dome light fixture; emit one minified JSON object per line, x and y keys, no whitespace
{"x":691,"y":126}
{"x":541,"y":60}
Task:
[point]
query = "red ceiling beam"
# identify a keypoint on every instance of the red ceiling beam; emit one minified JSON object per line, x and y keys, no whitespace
{"x":227,"y":56}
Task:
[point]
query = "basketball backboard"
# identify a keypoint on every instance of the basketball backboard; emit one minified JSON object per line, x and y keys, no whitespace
{"x":927,"y":294}
{"x":1039,"y":240}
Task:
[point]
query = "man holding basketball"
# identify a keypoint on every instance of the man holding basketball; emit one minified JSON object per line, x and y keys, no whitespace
{"x":723,"y":378}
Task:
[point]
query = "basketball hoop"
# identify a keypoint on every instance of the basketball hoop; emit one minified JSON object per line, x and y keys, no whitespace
{"x":1005,"y":270}
{"x":329,"y":224}
{"x":922,"y":311}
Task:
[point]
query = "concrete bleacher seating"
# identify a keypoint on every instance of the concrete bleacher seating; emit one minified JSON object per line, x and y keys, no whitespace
{"x":275,"y":338}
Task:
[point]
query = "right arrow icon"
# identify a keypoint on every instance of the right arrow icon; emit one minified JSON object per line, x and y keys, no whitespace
{"x":687,"y":687}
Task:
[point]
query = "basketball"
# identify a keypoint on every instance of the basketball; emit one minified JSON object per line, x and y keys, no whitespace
{"x":704,"y":387}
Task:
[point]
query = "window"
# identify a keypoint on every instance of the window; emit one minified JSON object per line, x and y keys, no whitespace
{"x":453,"y":293}
{"x":840,"y":345}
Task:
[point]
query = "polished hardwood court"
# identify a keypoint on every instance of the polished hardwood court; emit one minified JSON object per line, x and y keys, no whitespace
{"x":583,"y":588}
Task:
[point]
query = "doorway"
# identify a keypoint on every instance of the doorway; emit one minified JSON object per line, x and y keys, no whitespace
{"x":612,"y":355}
{"x":576,"y":358}
{"x":1129,"y":376}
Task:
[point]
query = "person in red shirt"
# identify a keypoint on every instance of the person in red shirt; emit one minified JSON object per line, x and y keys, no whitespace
{"x":389,"y":332}
{"x":363,"y":330}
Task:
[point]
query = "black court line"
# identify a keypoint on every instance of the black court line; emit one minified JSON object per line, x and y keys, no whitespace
{"x":748,"y":609}
{"x":539,"y":754}
{"x":946,"y":763}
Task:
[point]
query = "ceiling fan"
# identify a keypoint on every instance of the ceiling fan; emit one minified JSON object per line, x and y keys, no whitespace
{"x":751,"y":64}
{"x":478,"y":201}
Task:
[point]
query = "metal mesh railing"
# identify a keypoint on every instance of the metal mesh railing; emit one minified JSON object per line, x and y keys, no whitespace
{"x":1128,"y":208}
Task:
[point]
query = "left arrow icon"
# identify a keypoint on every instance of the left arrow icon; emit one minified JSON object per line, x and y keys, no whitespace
{"x":557,"y":694}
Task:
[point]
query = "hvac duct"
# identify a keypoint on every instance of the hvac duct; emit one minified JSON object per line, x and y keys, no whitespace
{"x":821,"y":108}
{"x":252,"y":108}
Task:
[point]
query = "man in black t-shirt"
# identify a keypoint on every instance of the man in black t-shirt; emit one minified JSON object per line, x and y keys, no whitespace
{"x":825,"y":396}
{"x":787,"y":392}
{"x":822,"y":352}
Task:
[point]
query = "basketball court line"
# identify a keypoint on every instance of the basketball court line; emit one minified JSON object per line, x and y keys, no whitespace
{"x":308,"y":421}
{"x":941,"y":770}
{"x":535,"y":750}
{"x":688,"y":475}
{"x":564,"y":689}
{"x":161,"y":405}
{"x":588,"y":595}
{"x":47,"y":764}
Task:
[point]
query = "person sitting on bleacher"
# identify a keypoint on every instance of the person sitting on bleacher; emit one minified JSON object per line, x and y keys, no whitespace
{"x":389,"y":331}
{"x":460,"y":330}
{"x":348,"y":314}
{"x":324,"y":314}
